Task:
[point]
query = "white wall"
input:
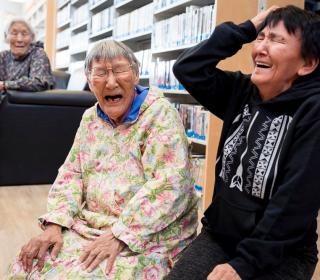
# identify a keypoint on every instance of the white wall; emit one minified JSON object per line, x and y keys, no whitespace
{"x":8,"y":11}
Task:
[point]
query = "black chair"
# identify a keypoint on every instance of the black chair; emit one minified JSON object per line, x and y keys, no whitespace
{"x":36,"y":132}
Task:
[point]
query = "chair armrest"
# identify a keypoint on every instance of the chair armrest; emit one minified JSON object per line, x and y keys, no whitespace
{"x":53,"y":97}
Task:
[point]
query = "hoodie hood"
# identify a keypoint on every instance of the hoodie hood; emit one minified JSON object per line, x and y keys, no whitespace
{"x":302,"y":89}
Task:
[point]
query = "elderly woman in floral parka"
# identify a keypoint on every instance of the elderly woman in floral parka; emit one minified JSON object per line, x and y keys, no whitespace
{"x":123,"y":205}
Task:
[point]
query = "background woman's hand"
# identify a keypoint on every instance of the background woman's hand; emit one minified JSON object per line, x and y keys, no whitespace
{"x":259,"y":18}
{"x":223,"y":272}
{"x":105,"y":246}
{"x":37,"y":247}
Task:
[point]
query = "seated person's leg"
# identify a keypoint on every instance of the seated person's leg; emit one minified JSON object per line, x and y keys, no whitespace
{"x":198,"y":260}
{"x":299,"y":265}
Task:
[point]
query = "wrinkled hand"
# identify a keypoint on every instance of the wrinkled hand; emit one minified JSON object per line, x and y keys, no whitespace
{"x":259,"y":18}
{"x":105,"y":246}
{"x":37,"y":247}
{"x":223,"y":272}
{"x":1,"y":86}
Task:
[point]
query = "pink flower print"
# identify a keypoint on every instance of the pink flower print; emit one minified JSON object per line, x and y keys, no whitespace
{"x":112,"y":165}
{"x":151,"y":273}
{"x":98,"y":166}
{"x":156,"y":248}
{"x":169,"y":156}
{"x":91,"y":138}
{"x":135,"y":227}
{"x":147,"y":208}
{"x":164,"y":197}
{"x":185,"y":223}
{"x":164,"y":138}
{"x":67,"y":176}
{"x":93,"y":126}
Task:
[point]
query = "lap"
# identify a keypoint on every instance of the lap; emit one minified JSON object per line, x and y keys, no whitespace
{"x":129,"y":266}
{"x":198,"y":260}
{"x":204,"y":253}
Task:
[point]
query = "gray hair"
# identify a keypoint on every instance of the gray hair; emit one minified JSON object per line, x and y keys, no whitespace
{"x":22,"y":21}
{"x":110,"y":49}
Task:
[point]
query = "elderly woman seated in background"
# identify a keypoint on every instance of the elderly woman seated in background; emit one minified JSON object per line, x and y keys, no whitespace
{"x":123,"y":205}
{"x":25,"y":66}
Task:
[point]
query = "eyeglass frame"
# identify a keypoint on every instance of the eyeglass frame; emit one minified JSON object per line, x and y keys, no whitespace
{"x":23,"y":34}
{"x":106,"y":75}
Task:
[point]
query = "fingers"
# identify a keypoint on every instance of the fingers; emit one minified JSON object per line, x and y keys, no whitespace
{"x":84,"y":256}
{"x":56,"y":249}
{"x":41,"y":256}
{"x":98,"y":259}
{"x":93,"y":259}
{"x":27,"y":254}
{"x":111,"y":261}
{"x":259,"y":18}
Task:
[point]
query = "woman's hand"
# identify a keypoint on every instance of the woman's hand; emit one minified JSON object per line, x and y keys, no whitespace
{"x":105,"y":246}
{"x":2,"y":87}
{"x":259,"y":18}
{"x":37,"y":247}
{"x":223,"y":272}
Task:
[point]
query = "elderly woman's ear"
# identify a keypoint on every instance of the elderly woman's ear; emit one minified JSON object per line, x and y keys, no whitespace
{"x":310,"y":65}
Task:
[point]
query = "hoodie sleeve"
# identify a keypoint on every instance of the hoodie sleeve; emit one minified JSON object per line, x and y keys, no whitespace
{"x":196,"y":67}
{"x":291,"y":213}
{"x":40,"y":76}
{"x":164,"y":208}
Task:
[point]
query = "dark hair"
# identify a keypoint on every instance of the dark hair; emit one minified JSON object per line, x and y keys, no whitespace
{"x":298,"y":20}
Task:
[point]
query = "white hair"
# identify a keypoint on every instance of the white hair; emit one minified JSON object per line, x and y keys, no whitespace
{"x":22,"y":21}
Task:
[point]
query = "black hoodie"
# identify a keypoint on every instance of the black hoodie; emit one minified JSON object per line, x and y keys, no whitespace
{"x":267,"y":189}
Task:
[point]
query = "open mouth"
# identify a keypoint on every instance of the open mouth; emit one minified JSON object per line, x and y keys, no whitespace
{"x":263,"y":65}
{"x":113,"y":98}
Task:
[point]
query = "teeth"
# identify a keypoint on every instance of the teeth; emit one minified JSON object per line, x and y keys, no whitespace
{"x":262,"y":65}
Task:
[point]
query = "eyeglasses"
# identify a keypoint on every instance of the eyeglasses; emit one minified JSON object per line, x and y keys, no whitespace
{"x":104,"y":72}
{"x":22,"y":33}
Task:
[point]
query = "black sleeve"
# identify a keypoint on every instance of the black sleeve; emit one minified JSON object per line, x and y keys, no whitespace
{"x":196,"y":67}
{"x":291,"y":213}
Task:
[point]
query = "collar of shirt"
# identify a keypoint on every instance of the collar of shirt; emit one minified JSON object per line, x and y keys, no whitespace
{"x":142,"y":93}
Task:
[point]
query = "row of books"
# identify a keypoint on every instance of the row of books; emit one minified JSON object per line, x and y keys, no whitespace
{"x":62,"y":59}
{"x":63,"y":38}
{"x":194,"y":118}
{"x":80,"y":15}
{"x":79,"y":42}
{"x":197,"y":172}
{"x":162,"y":4}
{"x":144,"y":58}
{"x":102,"y":20}
{"x":191,"y":27}
{"x":135,"y":22}
{"x":161,"y":75}
{"x":63,"y":15}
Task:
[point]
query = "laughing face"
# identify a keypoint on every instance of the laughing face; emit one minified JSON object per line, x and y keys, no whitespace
{"x":113,"y":83}
{"x":277,"y":60}
{"x":19,"y":38}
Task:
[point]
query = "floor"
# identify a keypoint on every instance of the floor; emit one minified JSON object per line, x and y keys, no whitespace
{"x":19,"y":208}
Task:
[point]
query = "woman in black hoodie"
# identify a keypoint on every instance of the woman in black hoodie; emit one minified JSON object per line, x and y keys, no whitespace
{"x":262,"y":221}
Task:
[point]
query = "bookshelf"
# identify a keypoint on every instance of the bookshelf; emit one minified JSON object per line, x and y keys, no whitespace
{"x":41,"y":15}
{"x":158,"y":31}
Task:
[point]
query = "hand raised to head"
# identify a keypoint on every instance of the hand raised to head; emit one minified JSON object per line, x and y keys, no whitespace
{"x":259,"y":18}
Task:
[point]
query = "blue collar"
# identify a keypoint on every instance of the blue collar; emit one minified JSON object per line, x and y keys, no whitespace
{"x":142,"y":93}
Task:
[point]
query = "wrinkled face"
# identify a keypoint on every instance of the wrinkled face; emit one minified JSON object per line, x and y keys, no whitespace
{"x":113,"y":83}
{"x":277,"y":59}
{"x":19,"y":38}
